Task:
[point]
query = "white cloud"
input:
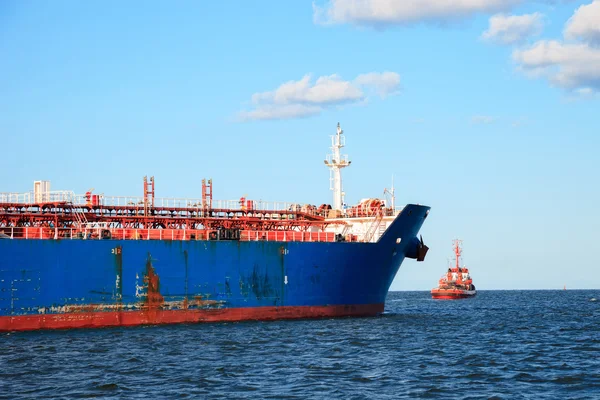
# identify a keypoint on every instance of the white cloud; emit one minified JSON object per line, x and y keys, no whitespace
{"x":570,"y":66}
{"x":574,"y":66}
{"x":585,"y":23}
{"x":482,"y":119}
{"x":384,"y":83}
{"x":585,"y":91}
{"x":287,"y":111}
{"x":327,"y":89}
{"x":509,"y":29}
{"x":398,"y":12}
{"x":302,"y":98}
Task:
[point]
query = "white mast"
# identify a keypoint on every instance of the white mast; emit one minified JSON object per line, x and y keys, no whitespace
{"x":392,"y":193}
{"x":336,"y":162}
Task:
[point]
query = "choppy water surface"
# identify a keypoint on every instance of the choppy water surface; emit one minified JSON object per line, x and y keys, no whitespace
{"x":501,"y":344}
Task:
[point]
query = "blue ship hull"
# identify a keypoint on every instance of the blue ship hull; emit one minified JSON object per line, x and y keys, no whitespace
{"x":46,"y":284}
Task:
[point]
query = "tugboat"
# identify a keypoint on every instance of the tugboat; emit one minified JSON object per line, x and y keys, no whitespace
{"x":456,"y":283}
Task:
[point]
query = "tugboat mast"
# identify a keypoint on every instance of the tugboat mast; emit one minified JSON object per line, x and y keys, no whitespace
{"x":335,"y":161}
{"x":457,"y":252}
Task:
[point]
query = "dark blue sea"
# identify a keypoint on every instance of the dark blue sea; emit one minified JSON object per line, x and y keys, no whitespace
{"x":498,"y":345}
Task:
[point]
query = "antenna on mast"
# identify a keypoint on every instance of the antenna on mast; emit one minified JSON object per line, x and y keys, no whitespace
{"x":392,"y":193}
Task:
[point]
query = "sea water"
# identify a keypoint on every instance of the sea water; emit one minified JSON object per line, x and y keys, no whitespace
{"x":497,"y":345}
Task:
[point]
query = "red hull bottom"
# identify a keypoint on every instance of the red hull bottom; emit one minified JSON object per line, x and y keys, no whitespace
{"x":451,"y":295}
{"x":159,"y":317}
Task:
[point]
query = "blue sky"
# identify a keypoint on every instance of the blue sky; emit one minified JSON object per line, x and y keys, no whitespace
{"x":486,"y":111}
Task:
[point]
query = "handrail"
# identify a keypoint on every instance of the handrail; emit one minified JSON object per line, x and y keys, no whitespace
{"x":123,"y":201}
{"x":31,"y":198}
{"x":164,"y":202}
{"x":103,"y":233}
{"x":373,"y":227}
{"x":247,"y":206}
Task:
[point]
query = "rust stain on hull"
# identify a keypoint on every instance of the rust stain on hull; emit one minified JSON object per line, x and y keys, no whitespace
{"x":153,"y":298}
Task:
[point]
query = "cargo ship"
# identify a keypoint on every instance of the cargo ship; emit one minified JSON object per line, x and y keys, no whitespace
{"x":457,"y":282}
{"x":85,"y":261}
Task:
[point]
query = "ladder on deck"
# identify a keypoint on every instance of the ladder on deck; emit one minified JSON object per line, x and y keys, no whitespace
{"x":346,"y":230}
{"x":374,"y":225}
{"x":382,"y":229}
{"x":79,"y":216}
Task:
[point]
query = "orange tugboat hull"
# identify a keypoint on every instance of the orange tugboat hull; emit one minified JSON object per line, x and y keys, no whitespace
{"x":452,"y":294}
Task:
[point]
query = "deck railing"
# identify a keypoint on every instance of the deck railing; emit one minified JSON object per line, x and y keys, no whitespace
{"x":63,"y":196}
{"x":183,"y":203}
{"x":99,"y":233}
